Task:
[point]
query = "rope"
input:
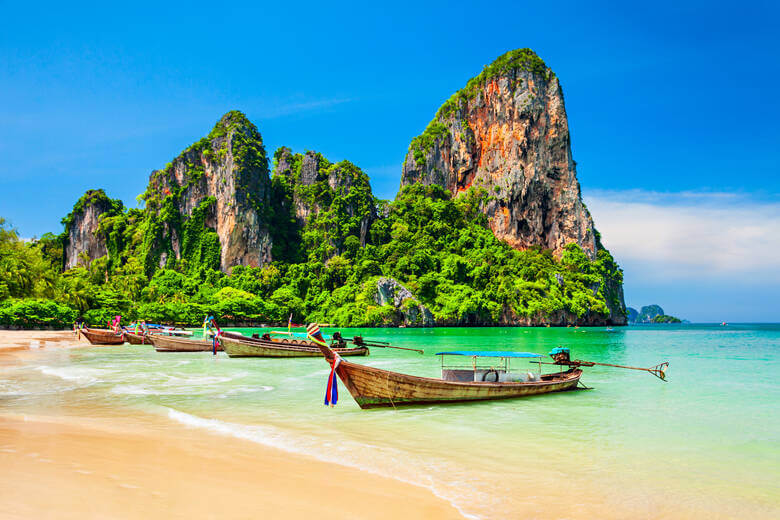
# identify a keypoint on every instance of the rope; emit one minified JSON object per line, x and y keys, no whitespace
{"x":387,"y":387}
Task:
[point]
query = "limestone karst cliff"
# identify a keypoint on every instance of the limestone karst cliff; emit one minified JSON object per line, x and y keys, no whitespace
{"x":489,"y":227}
{"x":209,"y":205}
{"x":331,"y":200}
{"x":84,"y":239}
{"x":506,"y":131}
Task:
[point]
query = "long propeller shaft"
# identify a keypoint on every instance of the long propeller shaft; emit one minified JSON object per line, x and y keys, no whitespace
{"x":391,"y":346}
{"x":658,"y":370}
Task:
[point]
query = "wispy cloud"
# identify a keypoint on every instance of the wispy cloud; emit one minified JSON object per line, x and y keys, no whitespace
{"x":691,"y":235}
{"x":286,"y":109}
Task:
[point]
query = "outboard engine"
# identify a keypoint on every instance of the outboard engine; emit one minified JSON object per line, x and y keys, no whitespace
{"x":339,"y":339}
{"x":560,"y":355}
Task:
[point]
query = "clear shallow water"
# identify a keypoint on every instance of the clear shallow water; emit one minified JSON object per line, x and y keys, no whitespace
{"x":707,"y":442}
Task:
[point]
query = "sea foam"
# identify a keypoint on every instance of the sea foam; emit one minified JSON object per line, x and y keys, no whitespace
{"x":81,"y":375}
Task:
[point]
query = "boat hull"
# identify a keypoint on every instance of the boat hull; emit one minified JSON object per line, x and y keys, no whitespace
{"x":102,"y":337}
{"x":373,"y":387}
{"x":137,"y":339}
{"x":174,"y":344}
{"x":250,"y":347}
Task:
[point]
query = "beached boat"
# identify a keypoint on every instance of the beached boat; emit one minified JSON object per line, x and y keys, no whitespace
{"x":137,"y":339}
{"x":373,"y":387}
{"x":102,"y":336}
{"x":152,"y":328}
{"x":175,"y":344}
{"x":237,"y":345}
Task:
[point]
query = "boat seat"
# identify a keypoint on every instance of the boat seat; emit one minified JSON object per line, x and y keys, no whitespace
{"x":517,"y":377}
{"x":458,"y":375}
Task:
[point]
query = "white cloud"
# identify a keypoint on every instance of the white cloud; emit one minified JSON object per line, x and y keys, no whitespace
{"x":690,"y":235}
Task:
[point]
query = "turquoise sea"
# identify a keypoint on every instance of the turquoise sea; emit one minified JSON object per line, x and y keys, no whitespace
{"x":704,"y":444}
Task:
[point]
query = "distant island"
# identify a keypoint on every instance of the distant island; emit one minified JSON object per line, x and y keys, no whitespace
{"x":650,"y":314}
{"x":488,"y":228}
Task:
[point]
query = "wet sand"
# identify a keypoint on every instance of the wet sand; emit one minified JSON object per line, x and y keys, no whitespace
{"x":13,"y":340}
{"x":141,"y":467}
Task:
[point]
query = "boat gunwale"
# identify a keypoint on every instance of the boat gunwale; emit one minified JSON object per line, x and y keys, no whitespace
{"x":275,"y":347}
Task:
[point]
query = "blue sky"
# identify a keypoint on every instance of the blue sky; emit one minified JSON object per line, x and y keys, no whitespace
{"x":663,"y":99}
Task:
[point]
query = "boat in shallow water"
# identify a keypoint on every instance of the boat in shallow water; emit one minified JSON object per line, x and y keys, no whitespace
{"x":102,"y":336}
{"x":175,"y":344}
{"x":237,"y":345}
{"x":137,"y":339}
{"x":373,"y":387}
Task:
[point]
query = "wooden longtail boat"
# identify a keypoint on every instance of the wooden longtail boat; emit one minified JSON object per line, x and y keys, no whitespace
{"x":174,"y":344}
{"x":237,"y":345}
{"x":373,"y":387}
{"x":137,"y":339}
{"x":152,"y":328}
{"x":102,"y":336}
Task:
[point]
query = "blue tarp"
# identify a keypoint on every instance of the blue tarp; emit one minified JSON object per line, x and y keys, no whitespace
{"x":488,"y":353}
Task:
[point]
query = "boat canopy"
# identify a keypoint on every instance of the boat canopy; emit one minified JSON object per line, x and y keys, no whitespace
{"x":489,"y":353}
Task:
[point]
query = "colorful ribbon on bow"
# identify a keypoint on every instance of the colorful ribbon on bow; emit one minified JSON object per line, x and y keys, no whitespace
{"x":332,"y":391}
{"x":114,"y":324}
{"x":314,"y":334}
{"x":208,"y":323}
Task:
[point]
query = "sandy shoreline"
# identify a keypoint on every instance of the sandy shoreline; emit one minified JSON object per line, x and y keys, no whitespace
{"x":143,"y":467}
{"x":34,"y":339}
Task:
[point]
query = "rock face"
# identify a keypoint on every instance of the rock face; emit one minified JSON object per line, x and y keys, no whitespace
{"x":616,"y":303}
{"x":648,"y":313}
{"x":409,"y":310}
{"x":207,"y":205}
{"x":84,"y":240}
{"x":507,"y":132}
{"x":334,"y":198}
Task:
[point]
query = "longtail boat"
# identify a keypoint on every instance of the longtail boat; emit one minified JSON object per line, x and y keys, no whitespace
{"x":152,"y":328}
{"x":238,"y":345}
{"x":102,"y":336}
{"x":373,"y":387}
{"x":174,"y":344}
{"x":137,"y":339}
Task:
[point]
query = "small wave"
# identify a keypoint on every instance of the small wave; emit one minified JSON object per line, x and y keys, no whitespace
{"x":246,"y":390}
{"x":199,"y":380}
{"x":182,"y":390}
{"x":386,"y":462}
{"x":80,"y":375}
{"x":140,"y":390}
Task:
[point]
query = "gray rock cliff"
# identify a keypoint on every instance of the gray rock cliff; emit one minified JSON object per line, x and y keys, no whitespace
{"x":222,"y":181}
{"x":84,"y":240}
